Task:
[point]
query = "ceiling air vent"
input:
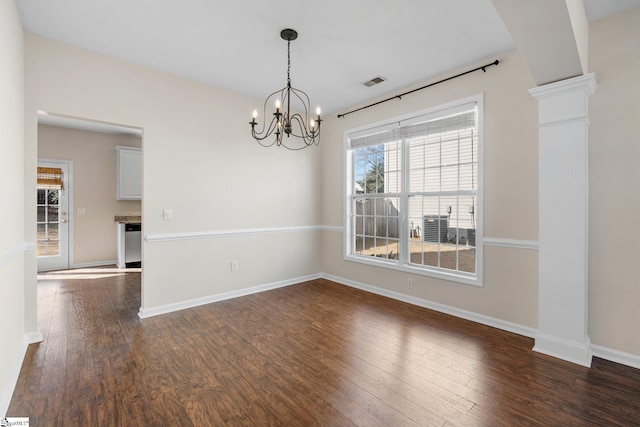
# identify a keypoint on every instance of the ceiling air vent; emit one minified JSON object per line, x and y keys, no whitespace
{"x":374,"y":81}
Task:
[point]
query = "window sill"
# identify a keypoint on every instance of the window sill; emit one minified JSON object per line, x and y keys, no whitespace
{"x":453,"y":277}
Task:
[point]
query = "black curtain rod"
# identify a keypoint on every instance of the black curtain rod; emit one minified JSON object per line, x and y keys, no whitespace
{"x":483,"y":68}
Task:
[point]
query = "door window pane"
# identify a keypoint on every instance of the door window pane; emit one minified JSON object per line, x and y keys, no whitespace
{"x":52,"y":196}
{"x":47,"y":229}
{"x":52,"y":214}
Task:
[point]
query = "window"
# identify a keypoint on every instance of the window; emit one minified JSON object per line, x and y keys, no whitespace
{"x":413,"y":193}
{"x":49,"y":185}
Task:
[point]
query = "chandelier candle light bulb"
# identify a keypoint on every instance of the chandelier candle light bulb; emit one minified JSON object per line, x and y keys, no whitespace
{"x":293,"y":123}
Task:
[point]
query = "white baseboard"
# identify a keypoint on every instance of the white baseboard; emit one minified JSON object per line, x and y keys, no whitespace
{"x":616,"y":356}
{"x":12,"y":379}
{"x":93,"y":264}
{"x":571,"y":351}
{"x":464,"y":314}
{"x":169,"y":308}
{"x":33,"y":337}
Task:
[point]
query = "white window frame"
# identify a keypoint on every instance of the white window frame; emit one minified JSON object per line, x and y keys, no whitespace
{"x":451,"y":275}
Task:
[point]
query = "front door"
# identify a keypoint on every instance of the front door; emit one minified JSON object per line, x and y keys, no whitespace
{"x":53,"y":215}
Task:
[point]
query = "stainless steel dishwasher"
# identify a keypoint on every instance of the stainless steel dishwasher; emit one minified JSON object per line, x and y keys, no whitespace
{"x":133,"y":245}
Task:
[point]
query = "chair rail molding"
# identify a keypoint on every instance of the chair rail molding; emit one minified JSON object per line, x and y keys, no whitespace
{"x":212,"y":234}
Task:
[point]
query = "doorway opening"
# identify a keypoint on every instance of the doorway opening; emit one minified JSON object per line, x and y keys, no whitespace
{"x":77,"y":220}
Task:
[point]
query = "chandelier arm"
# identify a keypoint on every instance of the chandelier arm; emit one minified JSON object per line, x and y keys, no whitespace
{"x":264,"y":113}
{"x":303,"y":133}
{"x":302,"y":146}
{"x":284,"y":142}
{"x":266,"y":101}
{"x":305,"y":101}
{"x":307,"y":112}
{"x":261,"y":136}
{"x":309,"y":137}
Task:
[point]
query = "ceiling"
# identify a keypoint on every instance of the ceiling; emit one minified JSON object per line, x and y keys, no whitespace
{"x":236,"y":45}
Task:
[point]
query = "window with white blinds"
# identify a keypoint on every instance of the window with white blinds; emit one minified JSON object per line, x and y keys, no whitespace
{"x":413,"y":193}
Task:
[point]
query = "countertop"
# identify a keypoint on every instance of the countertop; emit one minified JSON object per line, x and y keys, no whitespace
{"x":128,"y":219}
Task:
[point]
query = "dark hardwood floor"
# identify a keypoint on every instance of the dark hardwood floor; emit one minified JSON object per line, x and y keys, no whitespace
{"x":316,"y":353}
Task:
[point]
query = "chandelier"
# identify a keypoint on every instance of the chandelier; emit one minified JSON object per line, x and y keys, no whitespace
{"x":304,"y":128}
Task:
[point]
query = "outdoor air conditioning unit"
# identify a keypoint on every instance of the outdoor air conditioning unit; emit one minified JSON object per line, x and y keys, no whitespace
{"x":471,"y":239}
{"x":435,"y":228}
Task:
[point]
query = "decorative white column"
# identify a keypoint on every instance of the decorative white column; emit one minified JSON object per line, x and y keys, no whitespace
{"x":563,"y":208}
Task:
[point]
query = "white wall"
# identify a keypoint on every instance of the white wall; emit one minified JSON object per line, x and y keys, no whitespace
{"x":614,"y":182}
{"x":94,"y":187}
{"x":11,"y":218}
{"x":198,"y":160}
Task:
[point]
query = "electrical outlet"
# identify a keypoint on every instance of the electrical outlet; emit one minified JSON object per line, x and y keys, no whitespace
{"x":234,"y":265}
{"x":410,"y":283}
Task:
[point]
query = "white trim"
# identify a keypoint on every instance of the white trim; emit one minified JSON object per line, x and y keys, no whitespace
{"x":154,"y":238}
{"x":582,"y":120}
{"x":616,"y":356}
{"x":411,"y":269}
{"x":453,"y":311}
{"x":169,"y":308}
{"x":12,"y":379}
{"x":510,"y":243}
{"x":571,"y":351}
{"x":587,"y":83}
{"x":94,"y":264}
{"x":21,"y":248}
{"x":33,"y":337}
{"x":337,"y":228}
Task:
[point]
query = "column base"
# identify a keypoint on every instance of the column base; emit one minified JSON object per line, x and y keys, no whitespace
{"x":571,"y":351}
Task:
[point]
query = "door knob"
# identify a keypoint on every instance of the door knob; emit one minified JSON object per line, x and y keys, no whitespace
{"x":63,"y":221}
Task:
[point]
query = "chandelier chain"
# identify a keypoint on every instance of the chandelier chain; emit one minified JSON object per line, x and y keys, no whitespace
{"x":288,"y":62}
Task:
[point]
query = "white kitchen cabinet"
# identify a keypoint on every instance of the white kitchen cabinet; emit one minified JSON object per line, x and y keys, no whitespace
{"x":129,"y":173}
